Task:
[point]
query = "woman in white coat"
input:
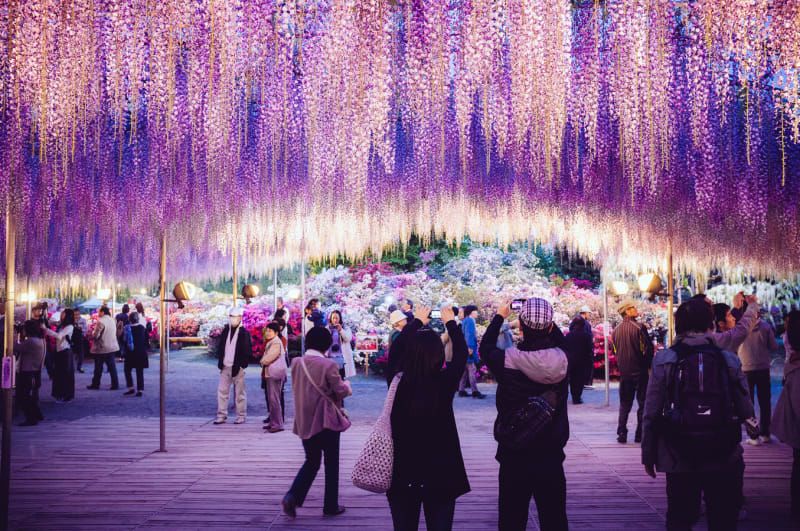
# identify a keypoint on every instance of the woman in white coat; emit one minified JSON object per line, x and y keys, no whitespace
{"x":341,"y":351}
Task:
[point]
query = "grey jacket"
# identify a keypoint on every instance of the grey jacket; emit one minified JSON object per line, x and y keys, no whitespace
{"x":655,"y":450}
{"x":756,"y":351}
{"x":733,"y":338}
{"x":31,"y":354}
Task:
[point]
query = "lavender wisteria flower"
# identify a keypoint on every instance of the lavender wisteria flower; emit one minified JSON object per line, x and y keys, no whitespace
{"x":319,"y":128}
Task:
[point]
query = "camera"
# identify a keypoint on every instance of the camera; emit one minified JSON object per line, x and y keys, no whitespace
{"x":516,"y":304}
{"x":436,"y":314}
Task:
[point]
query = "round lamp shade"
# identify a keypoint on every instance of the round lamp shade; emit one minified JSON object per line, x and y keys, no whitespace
{"x":250,"y":291}
{"x":650,"y":282}
{"x":184,"y":291}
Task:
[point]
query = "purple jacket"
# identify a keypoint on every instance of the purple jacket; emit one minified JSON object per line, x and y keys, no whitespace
{"x":312,"y":411}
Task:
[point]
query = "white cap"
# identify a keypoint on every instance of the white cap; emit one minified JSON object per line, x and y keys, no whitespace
{"x":235,"y":311}
{"x":397,"y":316}
{"x":585,"y":309}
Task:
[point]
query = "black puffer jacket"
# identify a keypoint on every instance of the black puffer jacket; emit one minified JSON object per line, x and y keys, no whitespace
{"x":514,"y":385}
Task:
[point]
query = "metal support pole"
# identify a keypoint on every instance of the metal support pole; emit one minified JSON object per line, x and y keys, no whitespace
{"x":671,"y":290}
{"x":162,"y":376}
{"x":605,"y":344}
{"x":303,"y":306}
{"x":167,"y":330}
{"x":235,"y":290}
{"x":275,"y":292}
{"x":28,"y":309}
{"x":8,"y":351}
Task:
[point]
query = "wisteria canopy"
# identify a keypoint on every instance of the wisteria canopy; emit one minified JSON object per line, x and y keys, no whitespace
{"x":289,"y":129}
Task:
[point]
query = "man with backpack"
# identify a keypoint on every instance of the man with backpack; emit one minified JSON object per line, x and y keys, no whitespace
{"x":696,"y":402}
{"x":532,"y":427}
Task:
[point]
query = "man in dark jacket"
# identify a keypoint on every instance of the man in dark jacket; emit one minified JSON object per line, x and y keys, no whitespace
{"x":537,"y":365}
{"x":580,"y":352}
{"x":233,"y":354}
{"x":634,"y":356}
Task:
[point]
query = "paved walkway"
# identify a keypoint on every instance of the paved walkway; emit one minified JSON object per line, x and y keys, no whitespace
{"x":93,"y":465}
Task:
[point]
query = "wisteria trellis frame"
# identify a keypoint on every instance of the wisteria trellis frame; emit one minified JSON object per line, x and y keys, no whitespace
{"x":318,"y":128}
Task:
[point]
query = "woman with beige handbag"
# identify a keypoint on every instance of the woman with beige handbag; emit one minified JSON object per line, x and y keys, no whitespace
{"x":273,"y":375}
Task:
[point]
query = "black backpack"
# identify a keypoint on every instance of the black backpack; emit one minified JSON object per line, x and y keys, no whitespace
{"x":76,"y":340}
{"x":699,"y":418}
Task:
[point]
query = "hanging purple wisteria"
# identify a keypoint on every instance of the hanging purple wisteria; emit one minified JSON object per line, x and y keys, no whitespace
{"x":311,"y":128}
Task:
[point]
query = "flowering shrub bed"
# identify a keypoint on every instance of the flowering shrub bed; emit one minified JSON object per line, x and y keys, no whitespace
{"x":484,"y":276}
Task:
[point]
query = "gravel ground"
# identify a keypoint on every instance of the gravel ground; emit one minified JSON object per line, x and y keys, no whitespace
{"x":191,"y":385}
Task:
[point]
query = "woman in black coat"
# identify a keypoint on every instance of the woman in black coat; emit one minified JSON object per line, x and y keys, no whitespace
{"x":429,"y":469}
{"x":579,"y":346}
{"x":137,"y":358}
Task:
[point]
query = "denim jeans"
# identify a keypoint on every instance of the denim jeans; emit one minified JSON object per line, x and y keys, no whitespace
{"x":406,"y":507}
{"x":469,"y":377}
{"x":110,"y":361}
{"x":628,"y":390}
{"x":325,"y":442}
{"x":759,"y":385}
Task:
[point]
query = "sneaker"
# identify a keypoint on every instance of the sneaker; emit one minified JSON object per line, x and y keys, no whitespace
{"x":265,"y":421}
{"x":220,"y":420}
{"x":588,"y":388}
{"x":462,"y":393}
{"x":622,"y":439}
{"x":478,"y":394}
{"x":129,"y":392}
{"x":114,"y":387}
{"x":93,"y":387}
{"x":577,"y":402}
{"x":753,"y":442}
{"x":637,"y":438}
{"x":765,"y":439}
{"x":273,"y":430}
{"x":138,"y":393}
{"x":239,"y":420}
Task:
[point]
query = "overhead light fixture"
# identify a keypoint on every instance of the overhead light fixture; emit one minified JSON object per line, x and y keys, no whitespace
{"x":619,"y":287}
{"x":27,"y":296}
{"x":650,"y":283}
{"x":250,"y":291}
{"x":183,"y":291}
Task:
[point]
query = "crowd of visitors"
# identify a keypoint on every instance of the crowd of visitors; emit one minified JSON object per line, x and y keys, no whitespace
{"x":693,"y":397}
